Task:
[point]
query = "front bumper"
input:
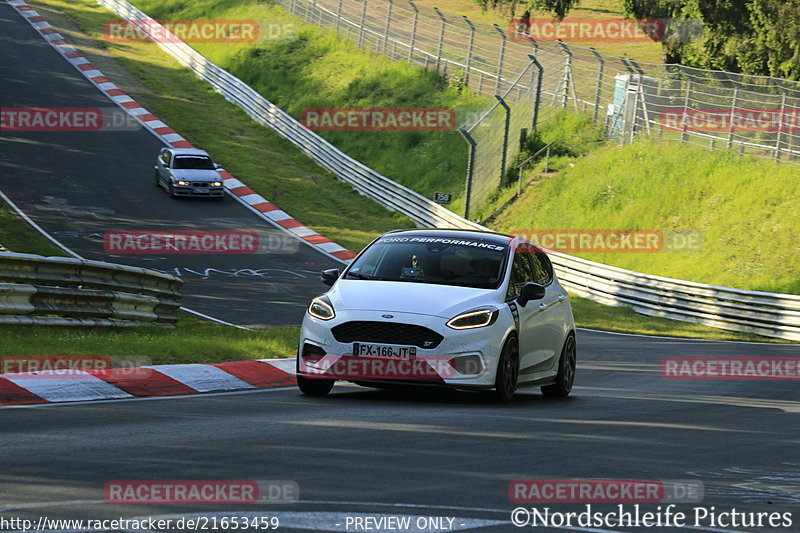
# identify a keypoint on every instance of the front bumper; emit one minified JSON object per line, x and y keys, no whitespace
{"x":198,"y":192}
{"x":474,"y":352}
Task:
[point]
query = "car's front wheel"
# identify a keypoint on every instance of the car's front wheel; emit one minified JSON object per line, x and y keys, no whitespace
{"x":315,"y":387}
{"x":566,"y":371}
{"x":505,"y":383}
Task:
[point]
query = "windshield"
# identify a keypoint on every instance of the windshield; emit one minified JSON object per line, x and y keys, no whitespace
{"x":436,"y":259}
{"x":193,"y":162}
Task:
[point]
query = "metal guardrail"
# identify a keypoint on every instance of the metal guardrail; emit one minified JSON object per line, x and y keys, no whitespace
{"x":768,"y":314}
{"x":65,"y":291}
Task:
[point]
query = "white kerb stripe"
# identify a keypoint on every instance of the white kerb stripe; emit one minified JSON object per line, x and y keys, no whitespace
{"x":107,"y":86}
{"x":155,"y":124}
{"x":172,"y":137}
{"x":302,"y":231}
{"x":287,"y":365}
{"x":278,"y":215}
{"x":330,"y":247}
{"x":80,"y":60}
{"x":74,"y":386}
{"x":232,"y":183}
{"x":138,"y":111}
{"x":93,"y":73}
{"x":202,"y":378}
{"x":252,"y":199}
{"x":53,"y":36}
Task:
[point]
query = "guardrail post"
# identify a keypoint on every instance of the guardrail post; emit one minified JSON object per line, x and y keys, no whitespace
{"x":386,"y":26}
{"x":441,"y":38}
{"x":413,"y":30}
{"x":598,"y":92}
{"x":470,"y":169}
{"x":538,"y":97}
{"x":505,"y":136}
{"x":361,"y":25}
{"x":733,"y":114}
{"x":504,"y":38}
{"x":470,"y":49}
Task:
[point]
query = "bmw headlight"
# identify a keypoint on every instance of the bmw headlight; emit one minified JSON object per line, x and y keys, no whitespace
{"x":474,"y":319}
{"x":181,"y":182}
{"x":321,"y":308}
{"x":216,"y":184}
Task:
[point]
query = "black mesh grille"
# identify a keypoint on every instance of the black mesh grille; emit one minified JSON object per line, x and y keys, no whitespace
{"x":387,"y":333}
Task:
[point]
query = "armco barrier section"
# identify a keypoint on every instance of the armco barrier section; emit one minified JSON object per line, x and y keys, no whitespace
{"x":769,"y":314}
{"x":67,"y":291}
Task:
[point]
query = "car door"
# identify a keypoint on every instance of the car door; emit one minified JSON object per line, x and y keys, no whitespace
{"x":163,"y":166}
{"x":521,"y":273}
{"x":552,"y":308}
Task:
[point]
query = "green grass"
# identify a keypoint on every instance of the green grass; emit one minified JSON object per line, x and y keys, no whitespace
{"x":17,"y":236}
{"x":191,"y":341}
{"x":747,"y":210}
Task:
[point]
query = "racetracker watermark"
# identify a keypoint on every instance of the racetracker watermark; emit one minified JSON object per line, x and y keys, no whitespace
{"x":731,"y":120}
{"x":26,"y":119}
{"x":197,"y":31}
{"x":200,"y":492}
{"x":588,"y":30}
{"x":379,"y":119}
{"x":149,"y":242}
{"x":388,"y":366}
{"x":604,"y":491}
{"x":730,"y":368}
{"x":572,"y":241}
{"x":74,"y":366}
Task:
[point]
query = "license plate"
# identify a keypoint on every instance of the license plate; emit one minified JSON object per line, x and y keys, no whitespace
{"x":200,"y":191}
{"x":384,"y":350}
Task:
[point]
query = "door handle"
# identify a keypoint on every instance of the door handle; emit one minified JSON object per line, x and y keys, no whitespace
{"x":562,"y":297}
{"x":542,"y":307}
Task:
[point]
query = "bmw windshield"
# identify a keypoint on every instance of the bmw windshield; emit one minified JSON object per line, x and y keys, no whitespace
{"x":466,"y":262}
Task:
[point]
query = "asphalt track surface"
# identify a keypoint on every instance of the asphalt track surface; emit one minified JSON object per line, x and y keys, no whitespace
{"x":358,"y":451}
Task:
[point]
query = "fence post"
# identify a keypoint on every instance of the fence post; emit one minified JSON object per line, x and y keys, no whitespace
{"x":338,"y":15}
{"x":686,"y":110}
{"x":566,"y":77}
{"x":413,"y":30}
{"x":292,"y":6}
{"x":538,"y":98}
{"x":470,"y":48}
{"x":733,"y":112}
{"x":599,"y":90}
{"x":505,"y":137}
{"x":361,"y":25}
{"x":470,"y":169}
{"x":386,"y":26}
{"x":441,"y":38}
{"x":780,"y":130}
{"x":502,"y":56}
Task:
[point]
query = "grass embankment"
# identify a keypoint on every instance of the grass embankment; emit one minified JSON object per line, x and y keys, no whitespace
{"x":641,"y":50}
{"x":746,"y":210}
{"x":17,"y":236}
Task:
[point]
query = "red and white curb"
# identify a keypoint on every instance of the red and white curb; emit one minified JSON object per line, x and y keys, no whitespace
{"x":56,"y":386}
{"x":246,"y":196}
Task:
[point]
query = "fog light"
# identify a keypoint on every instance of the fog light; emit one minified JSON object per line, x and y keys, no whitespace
{"x":468,"y":365}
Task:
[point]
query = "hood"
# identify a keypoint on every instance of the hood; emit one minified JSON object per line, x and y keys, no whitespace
{"x":190,"y":174}
{"x":444,"y":301}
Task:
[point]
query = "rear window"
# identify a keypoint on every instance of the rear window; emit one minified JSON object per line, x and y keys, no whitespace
{"x":442,"y":260}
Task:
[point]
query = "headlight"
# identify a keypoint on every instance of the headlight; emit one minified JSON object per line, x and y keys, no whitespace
{"x":474,"y":319}
{"x":216,"y":184}
{"x":181,"y":182}
{"x":321,"y":308}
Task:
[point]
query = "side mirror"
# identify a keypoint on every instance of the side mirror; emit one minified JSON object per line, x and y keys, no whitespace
{"x":329,"y":277}
{"x":529,"y":292}
{"x":217,"y":166}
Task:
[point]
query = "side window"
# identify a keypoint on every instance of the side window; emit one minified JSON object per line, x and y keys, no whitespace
{"x":165,"y":157}
{"x":542,"y":269}
{"x":521,"y":273}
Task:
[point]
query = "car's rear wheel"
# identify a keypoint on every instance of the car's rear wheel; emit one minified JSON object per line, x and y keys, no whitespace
{"x":315,"y":387}
{"x":505,"y":382}
{"x":566,"y":371}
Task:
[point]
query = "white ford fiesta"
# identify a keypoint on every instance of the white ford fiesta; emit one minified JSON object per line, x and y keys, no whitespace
{"x":462,"y":309}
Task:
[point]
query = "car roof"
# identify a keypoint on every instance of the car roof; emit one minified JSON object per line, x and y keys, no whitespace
{"x":490,"y":236}
{"x":189,"y":151}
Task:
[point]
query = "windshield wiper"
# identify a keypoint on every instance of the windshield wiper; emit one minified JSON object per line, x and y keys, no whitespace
{"x":360,"y":276}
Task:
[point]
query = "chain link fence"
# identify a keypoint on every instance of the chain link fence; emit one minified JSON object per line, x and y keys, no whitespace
{"x":753,"y":115}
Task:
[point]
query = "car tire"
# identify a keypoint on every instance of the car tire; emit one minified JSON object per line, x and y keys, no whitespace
{"x":315,"y":387}
{"x":507,"y":377}
{"x":566,"y":371}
